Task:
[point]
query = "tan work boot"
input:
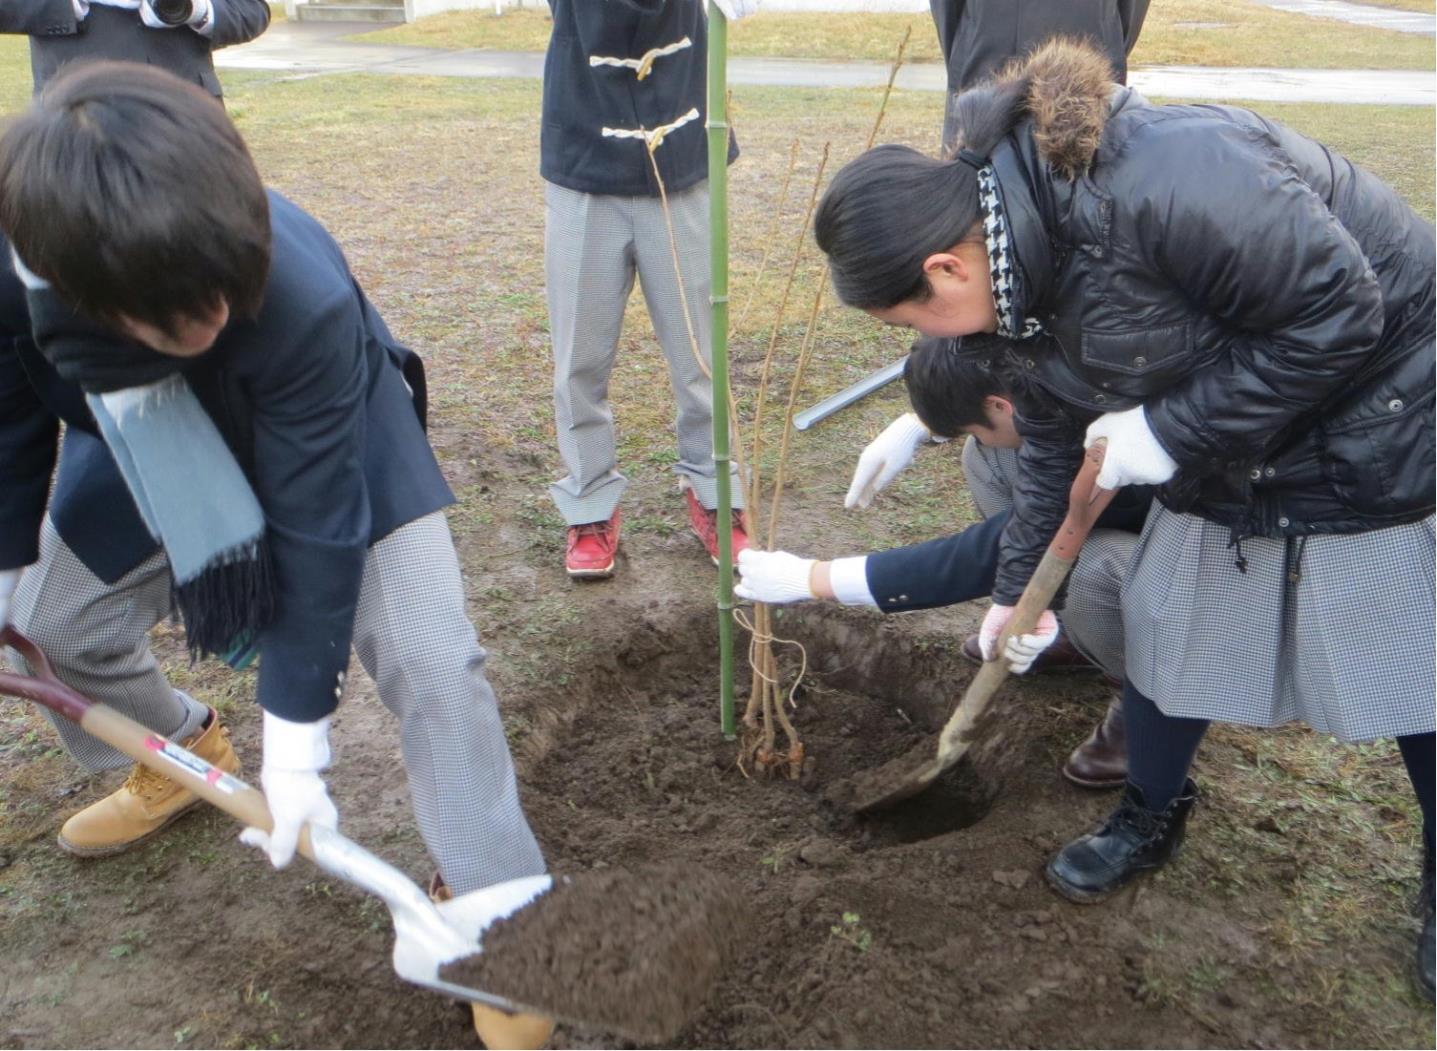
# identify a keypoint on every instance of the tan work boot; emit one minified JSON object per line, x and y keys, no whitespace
{"x":501,"y":1030}
{"x":147,"y":802}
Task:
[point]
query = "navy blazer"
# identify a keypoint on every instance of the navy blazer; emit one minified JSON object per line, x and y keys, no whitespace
{"x":322,"y":409}
{"x":961,"y":567}
{"x":57,"y":37}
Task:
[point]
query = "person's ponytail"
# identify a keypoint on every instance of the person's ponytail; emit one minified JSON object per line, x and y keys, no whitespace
{"x":984,"y":115}
{"x":890,"y":208}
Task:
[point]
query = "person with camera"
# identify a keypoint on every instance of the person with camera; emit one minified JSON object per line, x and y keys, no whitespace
{"x":176,"y":35}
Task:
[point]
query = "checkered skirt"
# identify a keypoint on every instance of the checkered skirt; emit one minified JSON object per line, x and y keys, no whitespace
{"x":1346,"y":647}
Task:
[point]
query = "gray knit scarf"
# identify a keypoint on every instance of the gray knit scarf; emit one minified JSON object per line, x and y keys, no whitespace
{"x":196,"y":502}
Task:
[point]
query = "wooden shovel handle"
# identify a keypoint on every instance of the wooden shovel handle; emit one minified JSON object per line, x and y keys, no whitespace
{"x":161,"y":755}
{"x":1085,"y":503}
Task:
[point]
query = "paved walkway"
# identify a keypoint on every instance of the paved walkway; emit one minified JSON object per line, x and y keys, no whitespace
{"x":1360,"y":14}
{"x":308,"y":48}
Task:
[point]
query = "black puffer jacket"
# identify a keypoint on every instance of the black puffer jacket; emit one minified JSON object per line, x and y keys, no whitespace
{"x":1267,"y":301}
{"x":586,"y":95}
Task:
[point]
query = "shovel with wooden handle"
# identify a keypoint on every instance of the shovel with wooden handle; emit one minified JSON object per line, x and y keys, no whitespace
{"x":913,"y":772}
{"x":427,"y":935}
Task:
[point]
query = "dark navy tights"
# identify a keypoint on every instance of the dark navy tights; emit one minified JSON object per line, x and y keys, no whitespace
{"x":1161,"y":748}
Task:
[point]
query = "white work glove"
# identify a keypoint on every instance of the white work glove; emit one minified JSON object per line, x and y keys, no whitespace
{"x":775,"y":577}
{"x":884,"y":458}
{"x":9,"y":581}
{"x":1022,"y":650}
{"x":201,"y":15}
{"x":294,"y":754}
{"x":733,"y":10}
{"x":1134,"y":455}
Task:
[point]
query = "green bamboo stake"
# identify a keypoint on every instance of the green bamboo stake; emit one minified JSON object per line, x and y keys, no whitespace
{"x":718,"y":266}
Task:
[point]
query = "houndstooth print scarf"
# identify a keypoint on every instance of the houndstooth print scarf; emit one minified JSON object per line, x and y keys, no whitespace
{"x":1007,"y":289}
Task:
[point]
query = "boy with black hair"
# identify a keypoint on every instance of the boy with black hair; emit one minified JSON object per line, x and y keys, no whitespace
{"x":243,"y":431}
{"x":966,"y":390}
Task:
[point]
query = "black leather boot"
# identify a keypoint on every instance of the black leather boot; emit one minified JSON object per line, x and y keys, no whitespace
{"x":1427,"y":940}
{"x":1131,"y":841}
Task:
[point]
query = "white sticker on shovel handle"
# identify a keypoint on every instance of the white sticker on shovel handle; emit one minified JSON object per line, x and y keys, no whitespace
{"x":212,"y":775}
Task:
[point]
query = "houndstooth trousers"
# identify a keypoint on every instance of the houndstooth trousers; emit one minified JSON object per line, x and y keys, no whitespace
{"x":413,"y":636}
{"x":1093,"y":615}
{"x":594,"y":246}
{"x":1335,"y":631}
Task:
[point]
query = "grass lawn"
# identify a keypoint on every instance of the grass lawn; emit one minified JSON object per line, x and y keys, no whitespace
{"x":1177,"y":32}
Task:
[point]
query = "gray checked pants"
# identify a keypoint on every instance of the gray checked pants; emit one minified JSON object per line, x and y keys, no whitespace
{"x":594,"y":246}
{"x":1093,"y":616}
{"x":413,"y":636}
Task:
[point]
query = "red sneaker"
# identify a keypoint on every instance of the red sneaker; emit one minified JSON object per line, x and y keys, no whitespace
{"x":591,"y":548}
{"x":705,"y":526}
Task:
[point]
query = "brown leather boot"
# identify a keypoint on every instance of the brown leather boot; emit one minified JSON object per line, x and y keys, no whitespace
{"x":1061,"y":656}
{"x":500,"y":1030}
{"x":147,"y":802}
{"x":1102,"y":760}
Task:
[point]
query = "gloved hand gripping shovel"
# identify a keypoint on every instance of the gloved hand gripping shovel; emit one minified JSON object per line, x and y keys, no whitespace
{"x":911,"y":773}
{"x":427,"y":936}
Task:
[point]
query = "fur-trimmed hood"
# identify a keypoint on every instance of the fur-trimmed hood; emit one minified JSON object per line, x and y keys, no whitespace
{"x":1069,"y":96}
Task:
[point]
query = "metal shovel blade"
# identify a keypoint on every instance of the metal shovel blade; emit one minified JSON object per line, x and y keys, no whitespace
{"x":920,"y":766}
{"x":429,"y":935}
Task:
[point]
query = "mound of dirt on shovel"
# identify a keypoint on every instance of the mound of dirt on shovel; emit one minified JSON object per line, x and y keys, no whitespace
{"x":634,"y":952}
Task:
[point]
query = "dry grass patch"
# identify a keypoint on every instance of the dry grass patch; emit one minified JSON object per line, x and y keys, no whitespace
{"x":1426,"y":6}
{"x":1177,"y":32}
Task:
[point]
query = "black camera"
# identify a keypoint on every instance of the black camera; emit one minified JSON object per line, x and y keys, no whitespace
{"x":173,"y":12}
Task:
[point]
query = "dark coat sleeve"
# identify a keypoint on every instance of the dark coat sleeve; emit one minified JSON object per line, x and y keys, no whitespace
{"x":942,"y":572}
{"x":309,"y":442}
{"x":1241,"y":235}
{"x":29,"y":434}
{"x":239,"y":21}
{"x":1048,"y":461}
{"x":38,"y":18}
{"x":962,"y":567}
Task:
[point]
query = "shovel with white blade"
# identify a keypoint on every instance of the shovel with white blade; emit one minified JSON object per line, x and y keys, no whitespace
{"x":427,"y":936}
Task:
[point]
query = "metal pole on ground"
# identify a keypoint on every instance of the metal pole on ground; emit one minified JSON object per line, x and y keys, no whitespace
{"x":718,"y":298}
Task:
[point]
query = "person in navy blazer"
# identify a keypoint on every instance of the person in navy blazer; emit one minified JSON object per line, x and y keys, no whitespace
{"x":250,"y":301}
{"x":967,"y":393}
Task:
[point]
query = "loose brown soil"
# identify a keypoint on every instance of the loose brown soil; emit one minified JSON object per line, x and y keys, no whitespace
{"x":636,"y":952}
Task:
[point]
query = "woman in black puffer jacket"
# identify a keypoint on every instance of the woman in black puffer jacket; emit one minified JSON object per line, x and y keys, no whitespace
{"x":1250,"y":318}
